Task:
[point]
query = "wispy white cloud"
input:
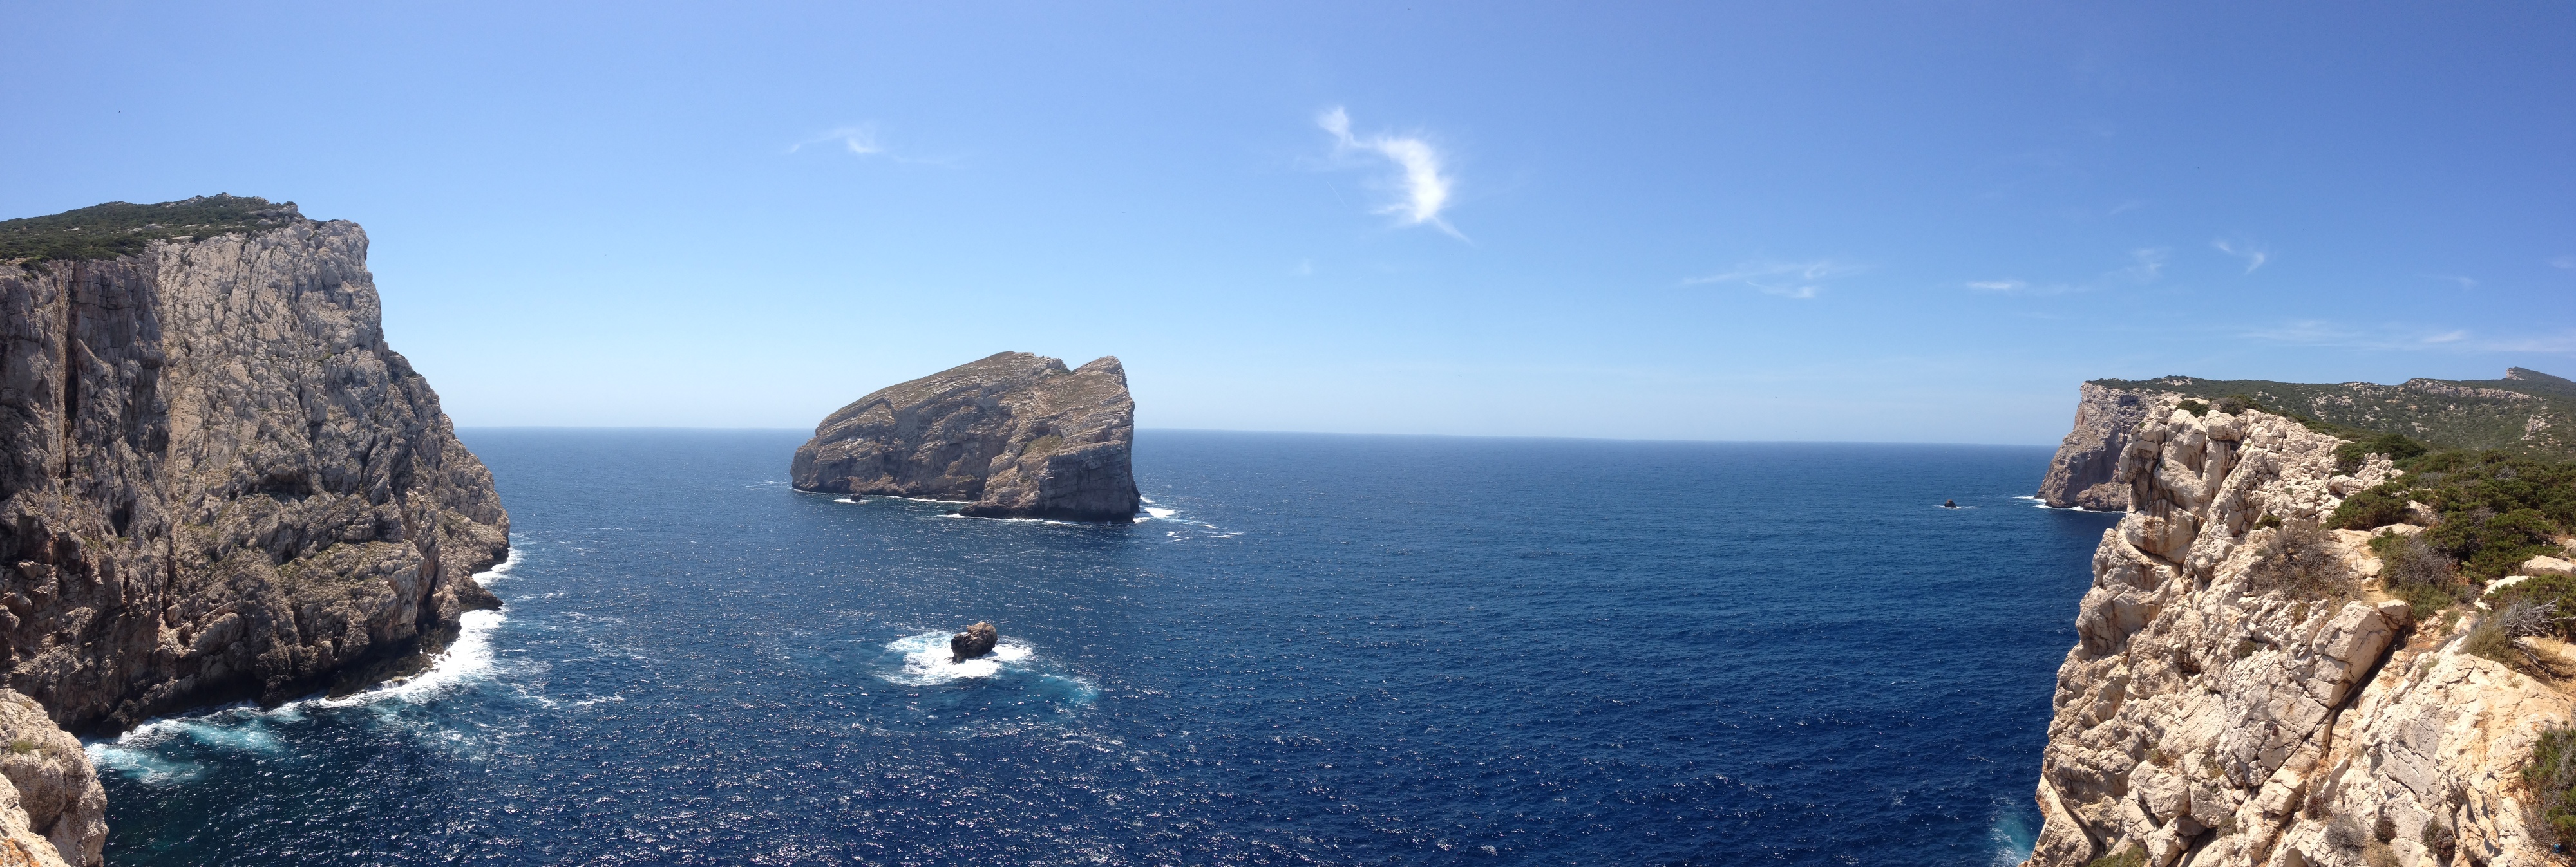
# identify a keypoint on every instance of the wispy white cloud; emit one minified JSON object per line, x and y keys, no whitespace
{"x":2396,"y":337}
{"x":1785,"y":279}
{"x":1425,"y":187}
{"x":2565,"y":263}
{"x":2146,"y":265}
{"x":2464,"y":283}
{"x":860,"y":140}
{"x":2253,"y":254}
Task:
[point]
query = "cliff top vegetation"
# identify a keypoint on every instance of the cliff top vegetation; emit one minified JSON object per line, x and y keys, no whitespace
{"x":2527,"y":412}
{"x":120,"y":228}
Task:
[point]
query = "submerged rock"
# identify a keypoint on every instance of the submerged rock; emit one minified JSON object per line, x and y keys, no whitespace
{"x":1949,"y":504}
{"x":1016,"y":434}
{"x":976,"y":641}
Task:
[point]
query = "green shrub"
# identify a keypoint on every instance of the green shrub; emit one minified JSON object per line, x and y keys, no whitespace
{"x":2371,"y":509}
{"x":2268,"y":522}
{"x":2301,"y":561}
{"x":2398,"y":447}
{"x":2494,"y":509}
{"x":2196,"y":408}
{"x":2236,"y":404}
{"x":2134,"y":856}
{"x":2551,"y":773}
{"x":118,"y":228}
{"x":2413,"y":571}
{"x":22,"y":746}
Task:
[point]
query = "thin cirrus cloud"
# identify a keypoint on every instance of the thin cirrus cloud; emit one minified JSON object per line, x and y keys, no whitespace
{"x":2253,"y":254}
{"x":2564,"y":263}
{"x":859,"y":140}
{"x":2146,"y":265}
{"x":2320,"y":332}
{"x":1785,"y":279}
{"x":1424,"y":186}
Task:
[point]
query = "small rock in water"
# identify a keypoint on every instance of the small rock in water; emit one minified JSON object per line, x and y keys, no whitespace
{"x":1949,"y":504}
{"x":976,"y":641}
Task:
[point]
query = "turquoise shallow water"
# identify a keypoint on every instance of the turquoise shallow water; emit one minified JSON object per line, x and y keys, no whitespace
{"x":1321,"y":649}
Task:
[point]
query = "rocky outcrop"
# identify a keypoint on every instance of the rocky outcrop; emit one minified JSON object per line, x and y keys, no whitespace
{"x":2081,"y":474}
{"x":52,"y":809}
{"x":1017,"y":435}
{"x":2205,"y":722}
{"x":218,"y":483}
{"x":976,"y":641}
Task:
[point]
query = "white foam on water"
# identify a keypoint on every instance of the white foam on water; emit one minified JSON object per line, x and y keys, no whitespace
{"x":1158,"y":514}
{"x":245,"y":727}
{"x":927,"y":662}
{"x":500,"y":570}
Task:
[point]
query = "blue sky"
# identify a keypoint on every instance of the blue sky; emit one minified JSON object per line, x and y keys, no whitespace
{"x":1895,"y":222}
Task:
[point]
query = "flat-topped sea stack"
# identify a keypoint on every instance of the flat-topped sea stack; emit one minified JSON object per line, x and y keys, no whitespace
{"x":1018,"y":435}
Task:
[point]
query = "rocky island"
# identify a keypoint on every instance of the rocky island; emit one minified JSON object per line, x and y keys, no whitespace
{"x":2275,"y":667}
{"x":1017,"y":435}
{"x":217,"y":483}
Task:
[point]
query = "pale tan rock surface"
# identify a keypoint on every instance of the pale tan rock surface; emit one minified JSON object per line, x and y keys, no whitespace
{"x":52,"y":809}
{"x":218,"y":483}
{"x":2080,"y":476}
{"x":2211,"y":725}
{"x":1016,"y":434}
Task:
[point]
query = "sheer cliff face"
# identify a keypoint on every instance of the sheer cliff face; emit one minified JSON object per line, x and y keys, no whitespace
{"x":2206,"y":723}
{"x":1017,"y":434}
{"x":218,"y":483}
{"x":2081,"y":474}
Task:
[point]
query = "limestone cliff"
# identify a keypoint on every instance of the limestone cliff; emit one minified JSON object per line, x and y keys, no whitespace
{"x":216,"y":480}
{"x":52,"y":809}
{"x":2207,"y":722}
{"x":2080,"y":476}
{"x":1017,"y":434}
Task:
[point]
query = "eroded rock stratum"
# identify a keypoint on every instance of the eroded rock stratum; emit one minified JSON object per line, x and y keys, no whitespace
{"x":2206,"y":723}
{"x":1017,"y":435}
{"x":218,"y":483}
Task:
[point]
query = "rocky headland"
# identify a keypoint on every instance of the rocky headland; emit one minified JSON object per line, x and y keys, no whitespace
{"x":2527,"y":411}
{"x":1016,"y":435}
{"x":217,"y":482}
{"x":2212,"y":714}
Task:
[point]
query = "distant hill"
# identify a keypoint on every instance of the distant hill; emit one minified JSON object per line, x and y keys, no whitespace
{"x":2527,"y":411}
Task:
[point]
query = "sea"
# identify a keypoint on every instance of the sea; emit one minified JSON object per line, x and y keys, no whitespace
{"x":1314,"y":649}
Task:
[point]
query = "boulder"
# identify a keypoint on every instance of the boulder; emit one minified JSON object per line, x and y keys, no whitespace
{"x":976,"y":641}
{"x":2548,"y":566}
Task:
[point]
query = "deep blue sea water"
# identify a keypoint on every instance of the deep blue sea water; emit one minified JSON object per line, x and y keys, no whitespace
{"x":1323,"y":649}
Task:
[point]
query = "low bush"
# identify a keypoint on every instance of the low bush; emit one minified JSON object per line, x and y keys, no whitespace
{"x":2413,"y":571}
{"x":2237,"y":403}
{"x":2398,"y":447}
{"x":2556,"y":592}
{"x":2551,"y":773}
{"x":2494,"y":509}
{"x":2196,"y":408}
{"x":2498,"y":636}
{"x":2134,"y":856}
{"x":2301,"y":561}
